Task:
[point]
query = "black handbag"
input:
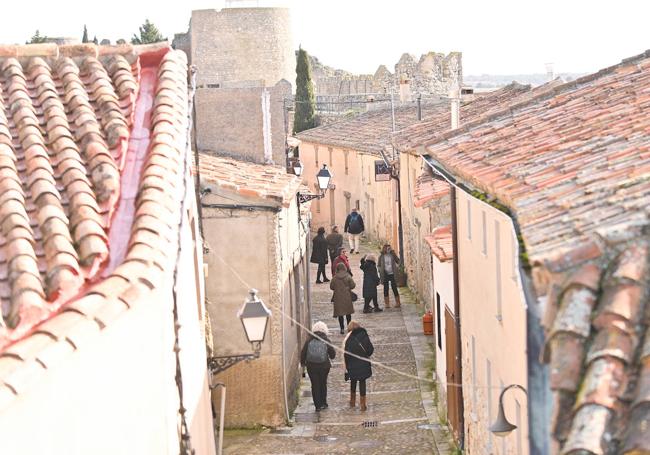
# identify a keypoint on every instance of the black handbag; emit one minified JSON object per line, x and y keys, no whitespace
{"x":346,"y":376}
{"x":355,"y":297}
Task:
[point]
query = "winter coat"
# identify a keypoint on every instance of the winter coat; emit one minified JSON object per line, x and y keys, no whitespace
{"x":338,"y":260}
{"x":342,"y":283}
{"x":370,"y":278}
{"x":382,"y":271}
{"x":319,"y":250}
{"x":358,"y":342}
{"x":331,"y":353}
{"x":334,"y":242}
{"x":354,"y":229}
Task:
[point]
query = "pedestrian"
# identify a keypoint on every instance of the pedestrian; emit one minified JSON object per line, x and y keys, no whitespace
{"x":354,"y":227}
{"x":342,"y":285}
{"x":334,"y":242}
{"x":370,"y":283}
{"x":341,"y":258}
{"x":388,"y":264}
{"x":316,"y":354}
{"x":319,"y":254}
{"x":357,"y":342}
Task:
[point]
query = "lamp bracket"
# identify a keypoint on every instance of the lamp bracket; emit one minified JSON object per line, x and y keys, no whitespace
{"x":306,"y":197}
{"x":218,"y":364}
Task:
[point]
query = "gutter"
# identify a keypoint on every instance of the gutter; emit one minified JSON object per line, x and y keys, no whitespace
{"x":539,"y":397}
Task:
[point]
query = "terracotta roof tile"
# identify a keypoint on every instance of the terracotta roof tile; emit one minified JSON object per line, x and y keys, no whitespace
{"x":428,"y":188}
{"x":67,"y":124}
{"x":440,"y":242}
{"x":249,"y":180}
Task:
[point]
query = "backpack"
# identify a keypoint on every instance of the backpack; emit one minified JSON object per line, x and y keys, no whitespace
{"x":354,"y":225}
{"x":316,"y":351}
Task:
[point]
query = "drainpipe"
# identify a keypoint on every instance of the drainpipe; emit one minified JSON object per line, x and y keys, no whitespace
{"x":459,"y":345}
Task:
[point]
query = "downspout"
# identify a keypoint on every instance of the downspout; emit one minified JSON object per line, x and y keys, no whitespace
{"x":459,"y":345}
{"x":400,"y":233}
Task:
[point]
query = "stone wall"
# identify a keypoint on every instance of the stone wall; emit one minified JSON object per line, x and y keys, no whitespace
{"x":242,"y":44}
{"x":230,"y":121}
{"x":433,"y":74}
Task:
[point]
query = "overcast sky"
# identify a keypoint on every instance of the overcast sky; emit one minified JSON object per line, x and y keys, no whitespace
{"x":495,"y":37}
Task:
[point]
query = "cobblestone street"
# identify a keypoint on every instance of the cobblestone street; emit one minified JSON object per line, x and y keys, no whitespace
{"x":401,"y":418}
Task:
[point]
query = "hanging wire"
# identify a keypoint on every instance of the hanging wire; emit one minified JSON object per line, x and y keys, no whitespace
{"x":344,"y":352}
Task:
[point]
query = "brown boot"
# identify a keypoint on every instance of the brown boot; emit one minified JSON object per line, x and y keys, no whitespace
{"x":362,"y":401}
{"x":353,"y":400}
{"x":397,"y":302}
{"x":387,"y":301}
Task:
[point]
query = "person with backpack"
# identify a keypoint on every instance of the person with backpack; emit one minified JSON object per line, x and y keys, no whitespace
{"x":342,"y":285}
{"x":354,"y":227}
{"x":370,"y":283}
{"x":357,"y":342}
{"x":334,"y":242}
{"x":319,"y":255}
{"x":315,"y":355}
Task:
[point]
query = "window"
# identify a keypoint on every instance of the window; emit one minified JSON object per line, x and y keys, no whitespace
{"x":474,"y":380}
{"x":497,"y":255}
{"x":347,"y":202}
{"x":346,"y":155}
{"x":484,"y":225}
{"x":488,"y":376}
{"x":438,"y":321}
{"x":331,"y":161}
{"x":469,"y":220}
{"x":357,"y":204}
{"x":316,"y":155}
{"x":369,"y":176}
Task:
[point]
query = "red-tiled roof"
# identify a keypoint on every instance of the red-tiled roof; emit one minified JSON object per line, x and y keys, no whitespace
{"x":371,"y":131}
{"x":441,"y":243}
{"x":254,"y":181}
{"x":573,"y":165}
{"x":422,"y":133}
{"x":92,"y":141}
{"x":428,"y":188}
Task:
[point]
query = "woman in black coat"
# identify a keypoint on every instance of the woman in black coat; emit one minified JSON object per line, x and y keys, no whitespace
{"x":319,"y":254}
{"x":370,"y":283}
{"x":357,"y":342}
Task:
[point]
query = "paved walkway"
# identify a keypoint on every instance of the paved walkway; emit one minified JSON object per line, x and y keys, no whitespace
{"x":401,"y":418}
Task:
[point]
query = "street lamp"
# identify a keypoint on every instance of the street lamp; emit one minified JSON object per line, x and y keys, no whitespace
{"x":501,"y":427}
{"x":323,"y":178}
{"x":297,"y":168}
{"x":254,"y":316}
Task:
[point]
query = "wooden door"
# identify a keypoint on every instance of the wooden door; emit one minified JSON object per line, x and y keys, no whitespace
{"x":453,"y":390}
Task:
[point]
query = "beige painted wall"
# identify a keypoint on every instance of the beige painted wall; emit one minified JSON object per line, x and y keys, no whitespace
{"x":443,"y":285}
{"x":353,"y":175}
{"x":267,"y":251}
{"x":493,"y":326}
{"x":116,"y":394}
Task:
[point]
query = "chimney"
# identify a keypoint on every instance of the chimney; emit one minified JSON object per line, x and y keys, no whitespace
{"x":550,"y":72}
{"x":404,"y":90}
{"x":454,"y":96}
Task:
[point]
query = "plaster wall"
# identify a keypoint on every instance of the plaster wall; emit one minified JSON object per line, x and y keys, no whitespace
{"x":443,"y":285}
{"x":354,"y":186}
{"x":493,"y":326}
{"x":263,"y":249}
{"x":116,"y":392}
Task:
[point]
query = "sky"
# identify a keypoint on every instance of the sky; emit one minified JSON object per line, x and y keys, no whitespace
{"x":495,"y":37}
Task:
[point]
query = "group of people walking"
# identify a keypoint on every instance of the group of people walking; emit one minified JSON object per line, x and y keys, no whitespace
{"x":316,"y":356}
{"x":318,"y":350}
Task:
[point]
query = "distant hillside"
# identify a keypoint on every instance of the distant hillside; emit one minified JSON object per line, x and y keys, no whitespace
{"x":497,"y":81}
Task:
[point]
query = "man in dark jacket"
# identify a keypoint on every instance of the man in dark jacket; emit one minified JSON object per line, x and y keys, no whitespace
{"x":354,"y":227}
{"x":334,"y":242}
{"x":370,"y":283}
{"x":316,"y":355}
{"x":319,"y":254}
{"x":358,"y":343}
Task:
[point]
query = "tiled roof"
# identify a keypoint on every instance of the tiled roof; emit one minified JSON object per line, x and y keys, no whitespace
{"x":572,"y":163}
{"x":441,"y":244}
{"x":371,"y":131}
{"x":91,"y":147}
{"x":598,"y":347}
{"x":255,"y":181}
{"x":428,"y":188}
{"x":423,"y":133}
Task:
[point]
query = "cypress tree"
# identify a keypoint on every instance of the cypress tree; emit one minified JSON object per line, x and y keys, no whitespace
{"x":305,"y":117}
{"x":84,"y":38}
